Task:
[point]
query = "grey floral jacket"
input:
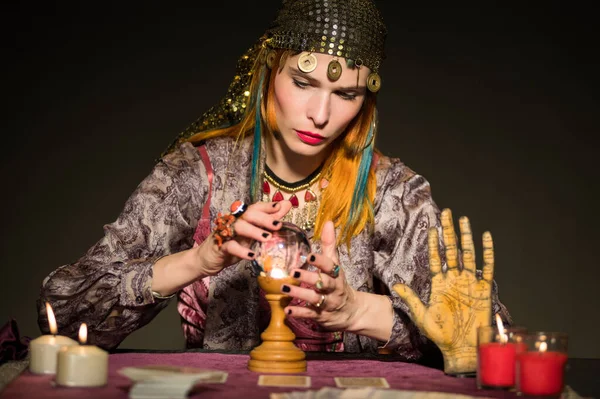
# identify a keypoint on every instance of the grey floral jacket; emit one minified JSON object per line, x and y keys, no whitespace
{"x":109,"y":288}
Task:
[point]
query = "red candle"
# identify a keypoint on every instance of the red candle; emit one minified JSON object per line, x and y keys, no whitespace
{"x":497,"y":363}
{"x":541,"y":373}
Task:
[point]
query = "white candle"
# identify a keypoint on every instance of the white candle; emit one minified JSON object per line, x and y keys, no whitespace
{"x":44,"y":348}
{"x":82,"y":365}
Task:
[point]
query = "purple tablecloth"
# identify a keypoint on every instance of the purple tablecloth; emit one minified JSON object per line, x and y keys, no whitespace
{"x":242,"y":383}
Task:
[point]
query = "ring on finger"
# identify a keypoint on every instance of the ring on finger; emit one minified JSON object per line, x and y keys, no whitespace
{"x":238,"y":208}
{"x":319,"y":284}
{"x":321,"y":302}
{"x":335,"y":272}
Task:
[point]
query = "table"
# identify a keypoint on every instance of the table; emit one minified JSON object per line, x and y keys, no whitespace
{"x":322,"y":367}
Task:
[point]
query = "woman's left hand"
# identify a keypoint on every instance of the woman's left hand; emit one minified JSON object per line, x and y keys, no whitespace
{"x":332,"y":301}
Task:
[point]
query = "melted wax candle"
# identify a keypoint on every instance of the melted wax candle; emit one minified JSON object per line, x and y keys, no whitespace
{"x":44,"y":348}
{"x":82,"y":365}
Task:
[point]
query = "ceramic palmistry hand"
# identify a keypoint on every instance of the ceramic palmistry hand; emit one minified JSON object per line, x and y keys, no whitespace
{"x":459,"y":301}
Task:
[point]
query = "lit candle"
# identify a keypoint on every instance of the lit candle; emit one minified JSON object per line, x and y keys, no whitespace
{"x":278,"y":273}
{"x":496,"y":359}
{"x":82,"y":365}
{"x":273,"y":267}
{"x":44,"y":348}
{"x":541,"y":372}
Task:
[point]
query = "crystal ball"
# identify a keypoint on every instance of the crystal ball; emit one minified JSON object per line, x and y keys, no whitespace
{"x":286,"y":249}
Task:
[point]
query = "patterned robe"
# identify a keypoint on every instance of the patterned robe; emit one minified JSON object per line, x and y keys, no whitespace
{"x":109,"y":288}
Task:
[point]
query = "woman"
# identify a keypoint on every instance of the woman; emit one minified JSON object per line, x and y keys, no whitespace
{"x":294,"y":138}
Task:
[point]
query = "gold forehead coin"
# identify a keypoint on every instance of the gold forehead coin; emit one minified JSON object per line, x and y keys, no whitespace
{"x":271,"y":58}
{"x":334,"y":70}
{"x":307,"y":62}
{"x":374,"y":82}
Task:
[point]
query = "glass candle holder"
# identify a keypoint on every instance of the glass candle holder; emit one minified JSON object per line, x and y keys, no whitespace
{"x":497,"y":351}
{"x":541,"y":368}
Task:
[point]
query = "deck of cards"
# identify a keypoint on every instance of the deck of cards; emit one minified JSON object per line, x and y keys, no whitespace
{"x":157,"y":381}
{"x":347,"y":387}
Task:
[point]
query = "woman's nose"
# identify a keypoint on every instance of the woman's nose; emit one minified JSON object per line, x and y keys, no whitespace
{"x":319,"y":109}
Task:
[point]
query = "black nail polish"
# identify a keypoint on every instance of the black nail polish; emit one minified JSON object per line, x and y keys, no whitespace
{"x":275,"y":222}
{"x":265,"y":235}
{"x":296,"y":274}
{"x":251,"y":254}
{"x":285,"y":288}
{"x":312,"y":258}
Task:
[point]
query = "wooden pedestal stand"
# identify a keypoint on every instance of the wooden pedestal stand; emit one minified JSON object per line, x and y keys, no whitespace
{"x":277,"y":353}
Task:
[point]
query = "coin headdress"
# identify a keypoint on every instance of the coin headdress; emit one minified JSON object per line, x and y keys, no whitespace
{"x":352,"y":30}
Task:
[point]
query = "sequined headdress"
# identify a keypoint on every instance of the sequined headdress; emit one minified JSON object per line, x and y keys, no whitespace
{"x":350,"y":29}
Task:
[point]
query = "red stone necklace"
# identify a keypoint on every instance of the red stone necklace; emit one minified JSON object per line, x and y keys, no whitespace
{"x":291,"y":188}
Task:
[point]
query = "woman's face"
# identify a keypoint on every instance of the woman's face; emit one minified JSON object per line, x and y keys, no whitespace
{"x":311,"y":110}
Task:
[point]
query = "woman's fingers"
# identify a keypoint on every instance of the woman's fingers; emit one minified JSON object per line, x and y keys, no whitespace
{"x":247,"y":230}
{"x":316,"y":299}
{"x":325,"y":264}
{"x":328,"y":241}
{"x":234,"y":248}
{"x":281,"y":208}
{"x":320,"y":281}
{"x":257,"y":222}
{"x":305,"y":312}
{"x":269,"y":207}
{"x":266,"y":215}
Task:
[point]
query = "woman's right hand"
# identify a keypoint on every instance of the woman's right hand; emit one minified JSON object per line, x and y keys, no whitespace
{"x":256,"y":224}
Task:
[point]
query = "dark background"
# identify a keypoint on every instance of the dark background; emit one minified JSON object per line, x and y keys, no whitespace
{"x":493,"y":105}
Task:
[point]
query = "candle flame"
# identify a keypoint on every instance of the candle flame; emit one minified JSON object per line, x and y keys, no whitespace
{"x":543,"y":346}
{"x":51,"y":319}
{"x":277,"y":273}
{"x":83,"y":334}
{"x":501,"y":330}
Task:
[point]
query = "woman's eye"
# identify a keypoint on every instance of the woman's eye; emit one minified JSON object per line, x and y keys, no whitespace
{"x":347,"y":96}
{"x":300,"y":84}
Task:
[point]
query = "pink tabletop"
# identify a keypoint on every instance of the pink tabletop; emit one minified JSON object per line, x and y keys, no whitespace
{"x":242,"y":383}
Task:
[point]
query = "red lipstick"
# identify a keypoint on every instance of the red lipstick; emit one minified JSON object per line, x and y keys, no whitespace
{"x":310,"y":137}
